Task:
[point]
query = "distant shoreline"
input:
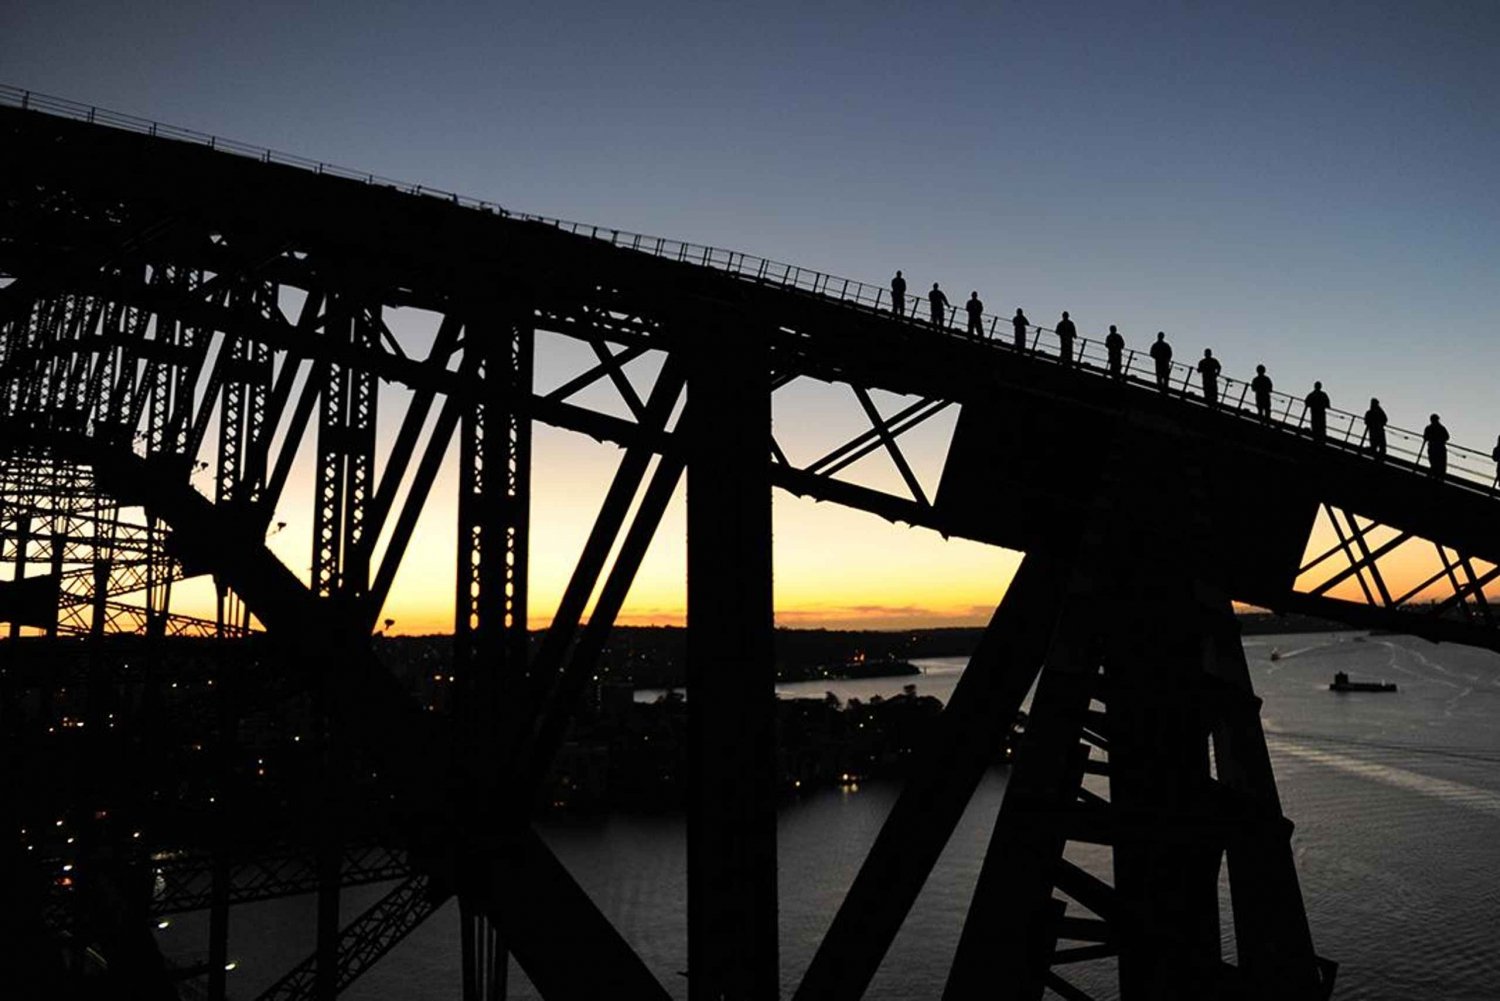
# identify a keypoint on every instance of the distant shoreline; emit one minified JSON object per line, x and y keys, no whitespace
{"x":655,"y":656}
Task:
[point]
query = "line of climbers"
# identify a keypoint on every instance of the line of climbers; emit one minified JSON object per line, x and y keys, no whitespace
{"x":1435,"y":436}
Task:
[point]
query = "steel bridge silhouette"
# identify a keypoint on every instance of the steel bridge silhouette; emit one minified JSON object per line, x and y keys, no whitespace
{"x":182,"y":318}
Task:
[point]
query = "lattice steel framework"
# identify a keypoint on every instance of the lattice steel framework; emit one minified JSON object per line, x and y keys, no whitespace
{"x":146,"y":310}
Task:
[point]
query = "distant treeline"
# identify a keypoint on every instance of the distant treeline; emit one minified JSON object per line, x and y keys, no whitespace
{"x":653,"y":656}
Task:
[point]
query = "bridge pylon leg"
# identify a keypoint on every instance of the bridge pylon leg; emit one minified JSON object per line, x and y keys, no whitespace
{"x":491,"y":644}
{"x":732,"y":902}
{"x":1143,"y":738}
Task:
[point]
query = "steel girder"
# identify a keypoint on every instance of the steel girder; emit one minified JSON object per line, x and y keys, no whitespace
{"x":115,"y":344}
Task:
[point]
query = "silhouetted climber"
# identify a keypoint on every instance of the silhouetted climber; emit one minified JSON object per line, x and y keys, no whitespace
{"x":1375,"y":421}
{"x":1208,"y":368}
{"x":939,"y":306}
{"x":1019,"y":323}
{"x":1317,"y":411}
{"x":898,"y":295}
{"x":1066,"y":334}
{"x":976,"y":315}
{"x":1161,"y":352}
{"x":1261,"y":387}
{"x":1436,"y":437}
{"x":1115,"y":345}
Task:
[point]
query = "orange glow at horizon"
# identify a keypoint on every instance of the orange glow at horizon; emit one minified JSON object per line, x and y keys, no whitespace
{"x":1402,"y":569}
{"x":834,"y":567}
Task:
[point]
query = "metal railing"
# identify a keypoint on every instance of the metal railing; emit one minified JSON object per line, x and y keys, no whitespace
{"x":1468,"y":468}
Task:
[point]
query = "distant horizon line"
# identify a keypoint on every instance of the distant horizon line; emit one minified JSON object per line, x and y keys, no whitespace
{"x":1239,"y":613}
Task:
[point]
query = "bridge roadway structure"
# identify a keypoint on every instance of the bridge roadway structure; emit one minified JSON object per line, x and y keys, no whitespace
{"x":182,"y":318}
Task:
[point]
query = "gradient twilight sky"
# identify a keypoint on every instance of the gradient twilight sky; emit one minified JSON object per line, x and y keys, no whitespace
{"x":1311,"y":186}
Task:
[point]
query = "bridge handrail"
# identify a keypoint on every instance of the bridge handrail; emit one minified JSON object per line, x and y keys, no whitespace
{"x":1468,"y":468}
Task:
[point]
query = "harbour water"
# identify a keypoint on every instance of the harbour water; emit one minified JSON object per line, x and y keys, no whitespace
{"x":1396,"y":800}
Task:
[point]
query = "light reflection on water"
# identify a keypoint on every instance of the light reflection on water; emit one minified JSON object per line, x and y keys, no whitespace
{"x":1396,"y":799}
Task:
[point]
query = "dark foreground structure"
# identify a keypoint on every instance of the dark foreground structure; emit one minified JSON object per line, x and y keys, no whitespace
{"x":183,"y":320}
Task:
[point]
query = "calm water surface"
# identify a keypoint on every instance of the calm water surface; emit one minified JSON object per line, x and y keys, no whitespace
{"x":1396,"y":799}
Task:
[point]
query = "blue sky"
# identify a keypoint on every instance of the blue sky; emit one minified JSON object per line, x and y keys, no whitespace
{"x":1311,"y":186}
{"x":1307,"y":185}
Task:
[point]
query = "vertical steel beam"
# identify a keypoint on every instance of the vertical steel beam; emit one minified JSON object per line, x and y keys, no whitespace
{"x":490,"y":606}
{"x":332,"y":448}
{"x":329,"y":842}
{"x":99,"y":596}
{"x":1159,"y":769}
{"x":731,"y":854}
{"x":490,"y":644}
{"x":327,"y":962}
{"x":23,"y":541}
{"x":218,"y":907}
{"x":157,"y":381}
{"x":340,"y":571}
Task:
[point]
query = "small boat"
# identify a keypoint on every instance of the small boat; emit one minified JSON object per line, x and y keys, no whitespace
{"x":1275,"y":653}
{"x":1341,"y":683}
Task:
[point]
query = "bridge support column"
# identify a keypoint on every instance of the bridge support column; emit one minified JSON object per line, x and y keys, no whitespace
{"x":23,"y":540}
{"x":1168,"y":822}
{"x":1173,"y":678}
{"x":1011,"y":929}
{"x":491,"y":644}
{"x":948,"y":767}
{"x":1271,"y":933}
{"x":224,"y":836}
{"x":732,"y":905}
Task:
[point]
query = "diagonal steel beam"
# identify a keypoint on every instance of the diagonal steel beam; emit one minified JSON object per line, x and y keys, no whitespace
{"x":1447,"y":603}
{"x":412,"y":422}
{"x":622,"y":490}
{"x":1370,"y":560}
{"x":593,"y":375}
{"x":363,"y":941}
{"x":1424,"y":585}
{"x":896,"y":428}
{"x":1477,"y":590}
{"x":1333,"y":550}
{"x":1359,"y":562}
{"x":859,"y":444}
{"x":617,"y":375}
{"x":546,"y":918}
{"x":1448,"y":571}
{"x":411,"y":508}
{"x":943,"y":778}
{"x":886,"y":438}
{"x":557,"y":711}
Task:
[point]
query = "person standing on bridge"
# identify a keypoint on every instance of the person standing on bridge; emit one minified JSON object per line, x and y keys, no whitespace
{"x":1496,"y":456}
{"x":898,"y":295}
{"x":1115,"y":345}
{"x":976,"y":315}
{"x":1261,"y":387}
{"x":938,"y":303}
{"x":1019,"y":323}
{"x":1436,"y":437}
{"x":1208,"y":368}
{"x":1317,"y":404}
{"x":1161,"y":353}
{"x":1066,"y":334}
{"x":1375,"y":421}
